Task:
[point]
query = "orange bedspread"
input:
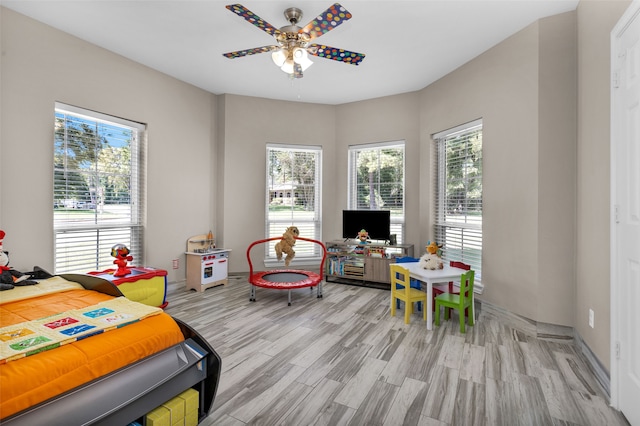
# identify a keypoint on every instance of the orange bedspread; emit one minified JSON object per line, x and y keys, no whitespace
{"x":36,"y":378}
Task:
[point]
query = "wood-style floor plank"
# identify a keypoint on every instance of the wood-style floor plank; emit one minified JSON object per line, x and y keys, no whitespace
{"x":344,"y":360}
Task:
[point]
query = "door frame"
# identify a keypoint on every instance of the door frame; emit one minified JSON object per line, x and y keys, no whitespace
{"x":616,"y":299}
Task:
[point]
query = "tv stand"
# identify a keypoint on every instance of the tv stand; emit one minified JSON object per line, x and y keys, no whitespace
{"x":353,"y":262}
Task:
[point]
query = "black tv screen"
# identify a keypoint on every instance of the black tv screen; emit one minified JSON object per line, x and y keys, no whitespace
{"x":376,"y":222}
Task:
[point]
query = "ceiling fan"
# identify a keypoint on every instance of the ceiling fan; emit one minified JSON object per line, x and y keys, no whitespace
{"x":292,"y":52}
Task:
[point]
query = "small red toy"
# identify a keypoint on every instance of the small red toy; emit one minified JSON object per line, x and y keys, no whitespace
{"x":121,"y":253}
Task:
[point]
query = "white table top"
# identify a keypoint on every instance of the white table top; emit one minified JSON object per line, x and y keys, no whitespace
{"x":433,"y":276}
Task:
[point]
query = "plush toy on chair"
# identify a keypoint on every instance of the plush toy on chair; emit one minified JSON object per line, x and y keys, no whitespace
{"x":286,"y":244}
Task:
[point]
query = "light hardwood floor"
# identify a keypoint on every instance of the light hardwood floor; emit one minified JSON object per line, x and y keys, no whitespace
{"x":343,"y":360}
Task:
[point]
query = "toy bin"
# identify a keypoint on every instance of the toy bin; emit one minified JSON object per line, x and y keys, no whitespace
{"x":143,"y":284}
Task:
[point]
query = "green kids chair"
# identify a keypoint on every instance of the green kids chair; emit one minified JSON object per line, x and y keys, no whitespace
{"x":460,"y":302}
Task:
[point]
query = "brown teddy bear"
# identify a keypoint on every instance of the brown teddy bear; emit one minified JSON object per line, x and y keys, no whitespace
{"x":286,"y":244}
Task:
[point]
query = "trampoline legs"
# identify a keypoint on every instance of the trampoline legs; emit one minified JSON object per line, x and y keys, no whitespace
{"x":252,"y":293}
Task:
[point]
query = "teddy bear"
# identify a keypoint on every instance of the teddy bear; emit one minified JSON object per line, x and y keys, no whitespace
{"x":9,"y":277}
{"x":286,"y":244}
{"x":431,"y":259}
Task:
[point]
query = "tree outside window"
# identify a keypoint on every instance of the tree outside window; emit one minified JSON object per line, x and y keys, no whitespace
{"x":376,"y":181}
{"x":458,"y":200}
{"x":293,"y":194}
{"x":98,"y":188}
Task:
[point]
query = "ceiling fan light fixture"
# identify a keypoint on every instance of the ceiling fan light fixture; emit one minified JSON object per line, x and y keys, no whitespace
{"x":288,"y":66}
{"x":291,"y":53}
{"x":279,"y":56}
{"x":301,"y":57}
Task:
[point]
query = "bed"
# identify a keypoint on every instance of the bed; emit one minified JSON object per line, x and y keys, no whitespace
{"x":119,"y":362}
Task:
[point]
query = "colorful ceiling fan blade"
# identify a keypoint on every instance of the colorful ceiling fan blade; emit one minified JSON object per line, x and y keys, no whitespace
{"x":325,"y":22}
{"x":254,"y":19}
{"x":255,"y":50}
{"x":340,"y":55}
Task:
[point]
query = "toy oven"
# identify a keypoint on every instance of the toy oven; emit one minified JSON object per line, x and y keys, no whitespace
{"x":213,"y":267}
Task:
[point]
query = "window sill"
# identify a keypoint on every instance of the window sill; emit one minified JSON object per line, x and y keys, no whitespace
{"x":312,"y":262}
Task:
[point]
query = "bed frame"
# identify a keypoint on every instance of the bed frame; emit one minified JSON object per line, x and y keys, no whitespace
{"x":126,"y":395}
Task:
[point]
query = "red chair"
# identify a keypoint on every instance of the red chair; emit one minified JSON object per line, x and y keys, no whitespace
{"x":448,"y":288}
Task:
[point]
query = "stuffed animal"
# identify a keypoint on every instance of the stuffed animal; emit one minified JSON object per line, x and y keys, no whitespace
{"x":9,"y":277}
{"x":431,"y":259}
{"x":433,"y":248}
{"x":121,"y":253}
{"x":363,"y":236}
{"x":286,"y":244}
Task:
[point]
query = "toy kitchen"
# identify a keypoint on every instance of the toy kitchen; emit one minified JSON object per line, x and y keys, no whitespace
{"x":207,"y":266}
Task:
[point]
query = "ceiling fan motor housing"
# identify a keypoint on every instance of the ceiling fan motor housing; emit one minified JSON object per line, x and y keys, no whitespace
{"x":293,"y":15}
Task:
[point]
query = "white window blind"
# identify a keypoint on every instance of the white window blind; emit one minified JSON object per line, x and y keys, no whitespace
{"x":293,"y":196}
{"x":458,"y":194}
{"x":98,"y":189}
{"x":376,"y":181}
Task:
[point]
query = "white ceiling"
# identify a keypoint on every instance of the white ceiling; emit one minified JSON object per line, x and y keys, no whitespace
{"x":408,"y":44}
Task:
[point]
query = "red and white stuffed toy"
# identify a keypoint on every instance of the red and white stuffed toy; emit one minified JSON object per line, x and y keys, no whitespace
{"x":9,"y":277}
{"x":121,"y":253}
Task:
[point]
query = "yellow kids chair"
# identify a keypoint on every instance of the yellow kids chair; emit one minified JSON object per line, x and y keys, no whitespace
{"x":401,"y":290}
{"x":460,"y":302}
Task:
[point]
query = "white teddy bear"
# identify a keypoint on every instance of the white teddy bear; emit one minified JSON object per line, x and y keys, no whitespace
{"x":431,"y":261}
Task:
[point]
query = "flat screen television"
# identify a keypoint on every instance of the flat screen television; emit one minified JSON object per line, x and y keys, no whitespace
{"x":376,"y":222}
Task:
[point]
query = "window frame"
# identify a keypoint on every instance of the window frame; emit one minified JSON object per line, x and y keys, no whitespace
{"x":82,"y":245}
{"x":306,"y":252}
{"x":470,"y":226}
{"x":398,"y":224}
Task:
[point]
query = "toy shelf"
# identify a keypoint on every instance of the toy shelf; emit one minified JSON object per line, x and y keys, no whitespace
{"x":348,"y":261}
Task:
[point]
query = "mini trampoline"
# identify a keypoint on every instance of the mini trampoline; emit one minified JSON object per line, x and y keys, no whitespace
{"x":285,"y":279}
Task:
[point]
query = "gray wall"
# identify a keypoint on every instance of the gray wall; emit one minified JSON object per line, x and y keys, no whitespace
{"x":542,"y":93}
{"x":40,"y":66}
{"x":249,"y":124}
{"x":391,"y":118}
{"x":500,"y":86}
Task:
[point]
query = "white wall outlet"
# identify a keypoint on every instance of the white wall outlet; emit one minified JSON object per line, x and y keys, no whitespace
{"x":591,"y":318}
{"x":176,"y":263}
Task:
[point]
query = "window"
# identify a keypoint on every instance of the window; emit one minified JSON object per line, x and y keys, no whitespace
{"x":98,"y":189}
{"x":293,"y":196}
{"x":376,"y":181}
{"x":458,"y":194}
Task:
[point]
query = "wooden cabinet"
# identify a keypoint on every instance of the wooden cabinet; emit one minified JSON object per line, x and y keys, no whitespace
{"x":362,"y":263}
